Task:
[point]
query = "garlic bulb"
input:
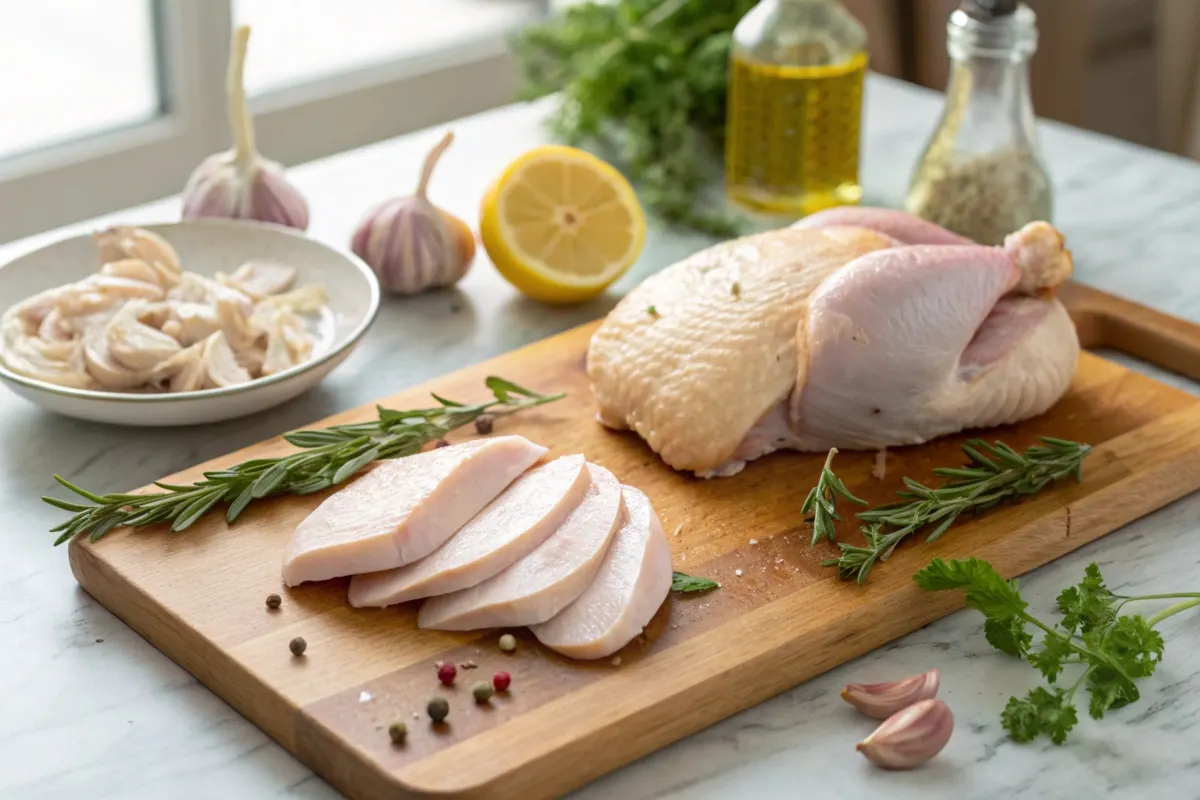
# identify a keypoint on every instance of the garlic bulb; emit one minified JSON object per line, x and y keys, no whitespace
{"x":412,"y":244}
{"x":240,"y":183}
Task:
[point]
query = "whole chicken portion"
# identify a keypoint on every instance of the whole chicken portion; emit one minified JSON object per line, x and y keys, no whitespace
{"x":143,"y":324}
{"x":857,"y":328}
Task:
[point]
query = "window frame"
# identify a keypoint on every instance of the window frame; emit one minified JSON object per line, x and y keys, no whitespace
{"x":104,"y":172}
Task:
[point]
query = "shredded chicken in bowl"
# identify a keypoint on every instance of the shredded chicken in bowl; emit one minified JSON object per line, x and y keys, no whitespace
{"x":142,"y":324}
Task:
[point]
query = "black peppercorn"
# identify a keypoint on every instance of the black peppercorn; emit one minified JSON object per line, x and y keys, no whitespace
{"x":438,"y":709}
{"x":274,"y":601}
{"x":298,"y":646}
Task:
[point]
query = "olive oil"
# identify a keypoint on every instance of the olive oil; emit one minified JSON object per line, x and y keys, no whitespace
{"x":795,"y":108}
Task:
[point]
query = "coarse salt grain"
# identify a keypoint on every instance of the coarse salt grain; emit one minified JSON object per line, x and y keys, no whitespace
{"x":754,"y":541}
{"x":737,"y":572}
{"x":364,"y":697}
{"x":616,"y":661}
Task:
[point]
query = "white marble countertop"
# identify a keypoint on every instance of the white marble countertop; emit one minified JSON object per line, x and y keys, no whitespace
{"x":89,"y":709}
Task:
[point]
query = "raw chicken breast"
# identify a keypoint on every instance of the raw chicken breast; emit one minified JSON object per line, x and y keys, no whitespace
{"x":403,"y":510}
{"x":544,"y":582}
{"x":631,"y":584}
{"x":511,"y":526}
{"x":881,"y":332}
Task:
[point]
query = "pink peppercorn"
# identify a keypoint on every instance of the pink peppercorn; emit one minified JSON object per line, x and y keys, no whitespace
{"x":447,"y":673}
{"x":501,"y":681}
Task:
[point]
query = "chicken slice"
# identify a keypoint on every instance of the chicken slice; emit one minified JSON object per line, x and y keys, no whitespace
{"x":403,"y":510}
{"x":259,"y":278}
{"x":630,"y":586}
{"x":220,"y":365}
{"x":511,"y":526}
{"x":548,"y":579}
{"x":135,"y":345}
{"x":697,"y":354}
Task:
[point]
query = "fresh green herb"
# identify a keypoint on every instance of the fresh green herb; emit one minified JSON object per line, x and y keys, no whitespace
{"x":1113,"y":649}
{"x":648,"y":78}
{"x":822,"y":501}
{"x":736,"y":289}
{"x":327,"y":457}
{"x":652,"y":311}
{"x":681,"y":582}
{"x":995,"y":473}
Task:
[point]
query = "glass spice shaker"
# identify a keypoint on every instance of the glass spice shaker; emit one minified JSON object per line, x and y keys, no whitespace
{"x":982,"y":173}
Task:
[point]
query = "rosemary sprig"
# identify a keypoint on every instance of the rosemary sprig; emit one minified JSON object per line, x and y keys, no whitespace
{"x":327,"y":457}
{"x":822,"y":501}
{"x":995,"y":473}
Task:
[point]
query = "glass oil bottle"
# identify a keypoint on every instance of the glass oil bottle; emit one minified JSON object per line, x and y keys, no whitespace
{"x":795,"y":107}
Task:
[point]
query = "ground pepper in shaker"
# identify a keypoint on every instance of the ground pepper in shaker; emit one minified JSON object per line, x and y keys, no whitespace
{"x":982,"y":173}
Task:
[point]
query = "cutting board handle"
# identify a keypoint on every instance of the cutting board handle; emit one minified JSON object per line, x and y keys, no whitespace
{"x":1106,"y":321}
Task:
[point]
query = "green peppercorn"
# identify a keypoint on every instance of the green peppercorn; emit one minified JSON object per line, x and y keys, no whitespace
{"x":398,"y":731}
{"x":274,"y":601}
{"x":482,"y":692}
{"x":298,"y":646}
{"x":438,"y":709}
{"x":508,"y":643}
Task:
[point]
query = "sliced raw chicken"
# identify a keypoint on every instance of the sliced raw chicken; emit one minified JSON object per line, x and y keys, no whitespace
{"x":547,"y":580}
{"x":631,"y":584}
{"x":510,"y":527}
{"x":403,"y":510}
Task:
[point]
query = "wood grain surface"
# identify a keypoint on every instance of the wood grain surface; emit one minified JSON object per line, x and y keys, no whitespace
{"x":199,"y":595}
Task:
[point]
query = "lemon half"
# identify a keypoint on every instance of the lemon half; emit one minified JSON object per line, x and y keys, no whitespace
{"x":561,"y":225}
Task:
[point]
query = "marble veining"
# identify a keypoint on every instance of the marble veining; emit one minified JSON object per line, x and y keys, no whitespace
{"x":88,"y":709}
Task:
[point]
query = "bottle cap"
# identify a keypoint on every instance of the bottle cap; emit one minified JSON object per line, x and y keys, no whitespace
{"x":990,"y":9}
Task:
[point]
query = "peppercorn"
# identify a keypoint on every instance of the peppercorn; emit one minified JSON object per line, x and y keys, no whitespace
{"x":298,"y":646}
{"x":438,"y":709}
{"x":441,"y":443}
{"x":501,"y":681}
{"x":508,"y":643}
{"x":398,"y":731}
{"x":482,"y":692}
{"x":446,"y":673}
{"x":484,"y":423}
{"x":274,"y":601}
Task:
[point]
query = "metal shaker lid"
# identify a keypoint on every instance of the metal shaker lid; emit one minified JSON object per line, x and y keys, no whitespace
{"x":985,"y":10}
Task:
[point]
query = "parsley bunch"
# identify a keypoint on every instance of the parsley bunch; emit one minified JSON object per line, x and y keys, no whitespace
{"x":1114,"y":649}
{"x":645,"y":76}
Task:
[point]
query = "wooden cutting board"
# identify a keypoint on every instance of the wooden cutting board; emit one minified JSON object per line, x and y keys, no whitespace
{"x":199,"y":596}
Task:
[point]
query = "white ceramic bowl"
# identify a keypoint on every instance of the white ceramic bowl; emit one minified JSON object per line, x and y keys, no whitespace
{"x":204,"y":246}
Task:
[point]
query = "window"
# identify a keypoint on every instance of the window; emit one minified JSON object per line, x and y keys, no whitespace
{"x":98,"y":123}
{"x":72,"y":82}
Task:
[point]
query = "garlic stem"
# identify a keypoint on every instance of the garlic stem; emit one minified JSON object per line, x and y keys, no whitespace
{"x":431,"y":161}
{"x":235,"y":88}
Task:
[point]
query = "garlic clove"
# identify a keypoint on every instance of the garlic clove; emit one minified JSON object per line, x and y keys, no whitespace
{"x":881,"y":700}
{"x":122,"y":243}
{"x":240,"y":183}
{"x":410,"y":243}
{"x":911,"y":736}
